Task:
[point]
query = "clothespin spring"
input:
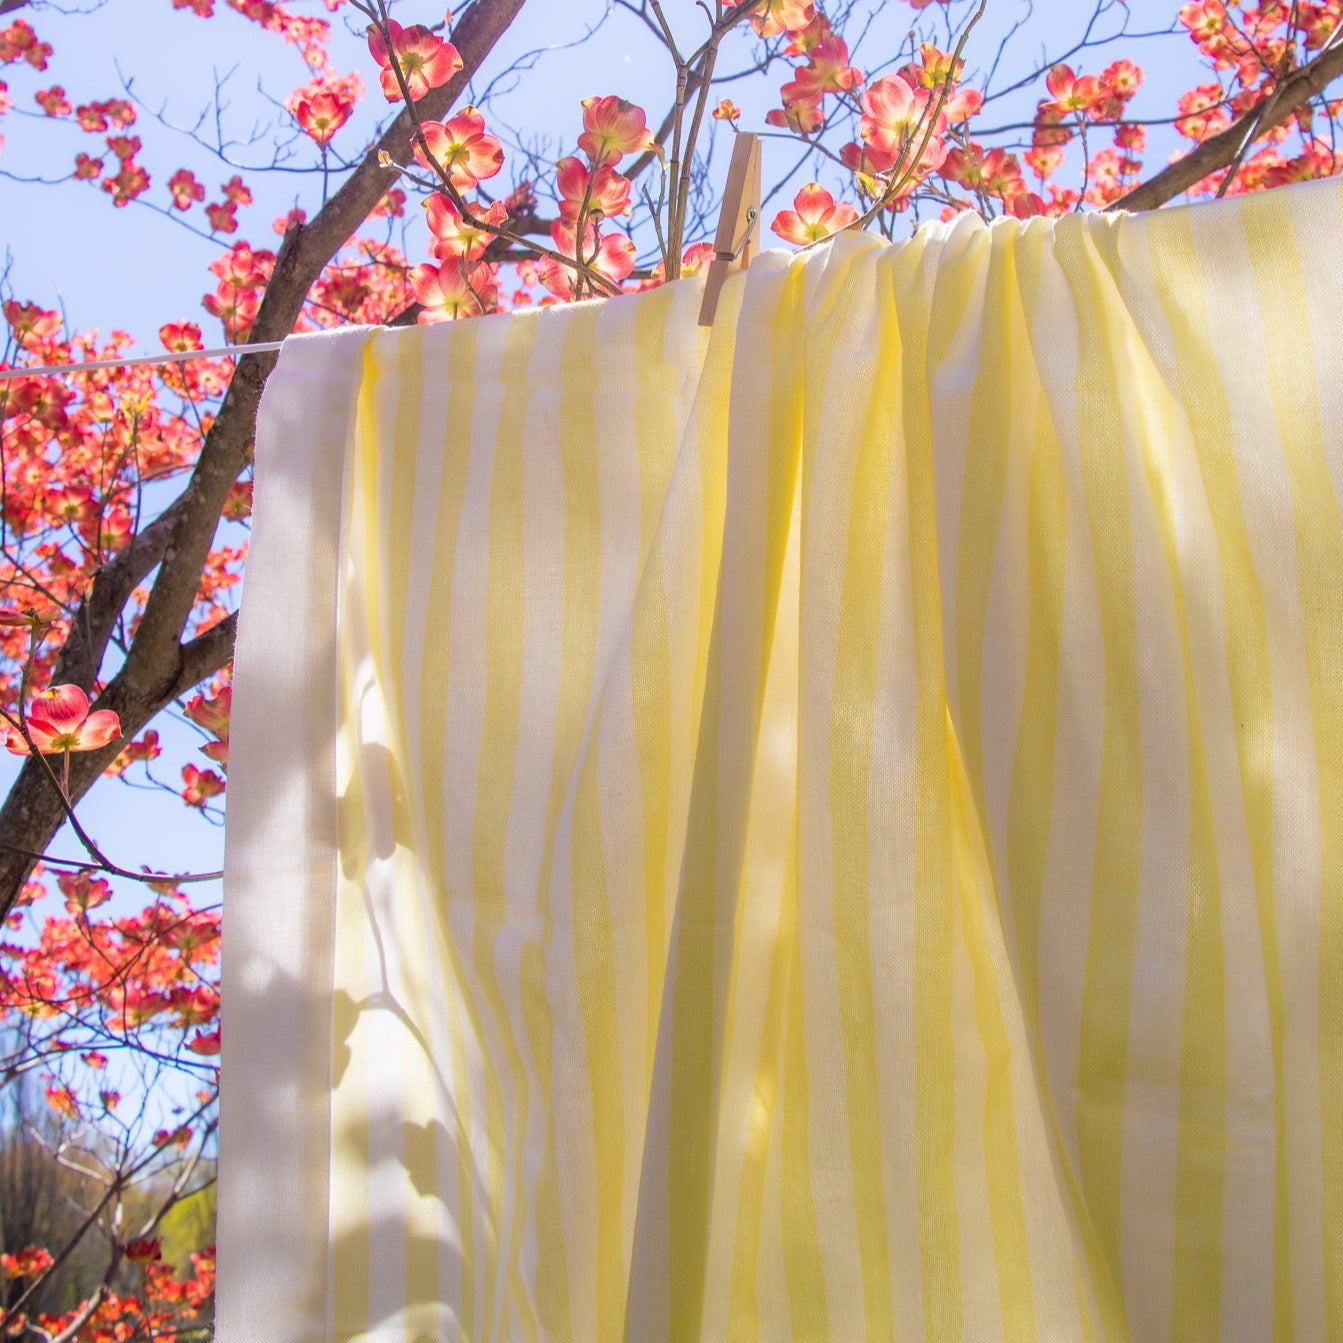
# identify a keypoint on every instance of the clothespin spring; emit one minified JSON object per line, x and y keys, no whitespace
{"x":752,"y":219}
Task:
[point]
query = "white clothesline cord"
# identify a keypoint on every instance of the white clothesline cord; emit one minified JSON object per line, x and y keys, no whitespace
{"x":179,"y":357}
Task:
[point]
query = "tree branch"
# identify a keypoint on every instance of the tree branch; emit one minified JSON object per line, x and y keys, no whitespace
{"x":179,"y":542}
{"x":303,"y":254}
{"x":206,"y":654}
{"x":1221,"y":150}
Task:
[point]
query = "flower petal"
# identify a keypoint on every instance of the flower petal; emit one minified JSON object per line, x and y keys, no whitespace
{"x":62,"y":708}
{"x":377,"y":48}
{"x":99,"y":728}
{"x":812,"y":202}
{"x":44,"y":738}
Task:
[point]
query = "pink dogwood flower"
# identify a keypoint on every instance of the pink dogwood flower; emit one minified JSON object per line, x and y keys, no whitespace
{"x":427,"y":62}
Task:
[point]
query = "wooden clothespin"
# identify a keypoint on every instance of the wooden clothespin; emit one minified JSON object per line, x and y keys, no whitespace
{"x":733,"y":245}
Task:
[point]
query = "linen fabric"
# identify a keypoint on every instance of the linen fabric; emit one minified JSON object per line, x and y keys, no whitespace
{"x":827,"y":828}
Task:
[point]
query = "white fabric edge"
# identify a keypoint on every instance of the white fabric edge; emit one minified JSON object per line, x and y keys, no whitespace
{"x":280,"y":858}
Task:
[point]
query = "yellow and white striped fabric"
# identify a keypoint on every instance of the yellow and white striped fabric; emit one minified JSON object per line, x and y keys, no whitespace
{"x":827,"y":829}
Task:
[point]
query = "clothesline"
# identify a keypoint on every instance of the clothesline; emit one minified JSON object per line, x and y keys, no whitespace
{"x":178,"y":357}
{"x":735,"y":228}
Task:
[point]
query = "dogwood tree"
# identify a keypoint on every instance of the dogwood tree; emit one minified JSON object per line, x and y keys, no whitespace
{"x":424,"y":196}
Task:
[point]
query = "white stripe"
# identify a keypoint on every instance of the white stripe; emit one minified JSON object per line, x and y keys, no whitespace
{"x":771,"y":1284}
{"x":1297,"y":870}
{"x":464,"y":715}
{"x":1152,"y":1081}
{"x":951,"y":392}
{"x":981,"y":1316}
{"x":1065,"y":904}
{"x":381,"y":1036}
{"x":435,"y":987}
{"x":1265,"y":490}
{"x":891,"y":805}
{"x":619,"y":794}
{"x":1002,"y":685}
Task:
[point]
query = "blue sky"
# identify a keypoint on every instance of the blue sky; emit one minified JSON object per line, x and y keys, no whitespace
{"x":135,"y":268}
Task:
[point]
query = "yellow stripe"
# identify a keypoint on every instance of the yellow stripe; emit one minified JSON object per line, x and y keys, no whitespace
{"x":851,"y":729}
{"x":595,"y":970}
{"x":1007,"y":1214}
{"x":550,"y":1283}
{"x":1103,"y":1050}
{"x":692,"y":1006}
{"x":419,"y":1144}
{"x":743,"y":1310}
{"x":590,"y":901}
{"x":435,"y":677}
{"x":800,"y":1231}
{"x":1030,"y":799}
{"x":1084,"y":1309}
{"x":772,"y":891}
{"x":650,"y":652}
{"x":1177,"y":264}
{"x":1281,"y":285}
{"x":934,"y":1047}
{"x":709,"y":439}
{"x":494,"y":781}
{"x":1201,"y":1151}
{"x":991,"y":430}
{"x":392,"y":548}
